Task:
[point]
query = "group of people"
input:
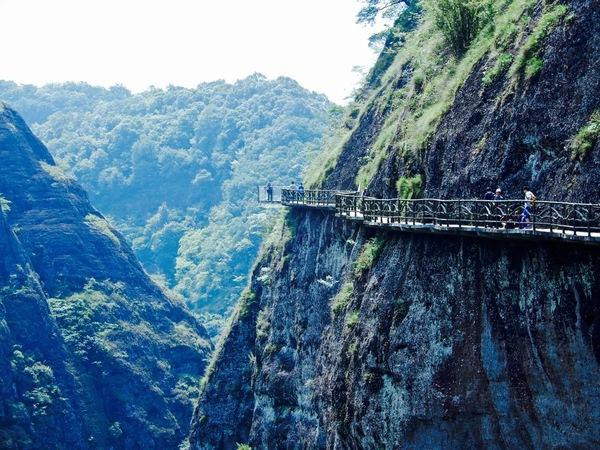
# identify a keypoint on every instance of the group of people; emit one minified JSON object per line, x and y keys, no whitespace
{"x":524,"y":220}
{"x":297,"y":188}
{"x":526,"y":215}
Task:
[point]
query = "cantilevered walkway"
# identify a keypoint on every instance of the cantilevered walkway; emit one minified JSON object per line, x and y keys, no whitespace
{"x":554,"y":221}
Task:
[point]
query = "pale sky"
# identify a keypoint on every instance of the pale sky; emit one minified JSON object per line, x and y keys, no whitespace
{"x":139,"y":43}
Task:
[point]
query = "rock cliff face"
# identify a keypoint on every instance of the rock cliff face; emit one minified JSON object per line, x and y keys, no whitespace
{"x":359,"y":340}
{"x":38,"y":404}
{"x":95,"y":355}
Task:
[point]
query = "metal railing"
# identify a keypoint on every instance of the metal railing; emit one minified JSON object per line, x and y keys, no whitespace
{"x":489,"y":214}
{"x":310,"y":197}
{"x":274,"y":196}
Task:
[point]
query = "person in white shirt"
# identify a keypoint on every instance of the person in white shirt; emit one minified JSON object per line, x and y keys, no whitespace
{"x":527,"y":208}
{"x":294,"y":191}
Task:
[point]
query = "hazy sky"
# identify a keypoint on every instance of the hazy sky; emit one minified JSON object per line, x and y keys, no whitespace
{"x":140,"y":43}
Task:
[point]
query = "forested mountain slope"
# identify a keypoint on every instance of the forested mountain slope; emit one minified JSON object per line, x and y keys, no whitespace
{"x":94,"y":354}
{"x":177,"y":169}
{"x":349,"y":338}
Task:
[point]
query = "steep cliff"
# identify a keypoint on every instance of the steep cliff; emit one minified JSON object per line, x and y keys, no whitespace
{"x":350,"y":339}
{"x":38,"y":402}
{"x":96,"y":355}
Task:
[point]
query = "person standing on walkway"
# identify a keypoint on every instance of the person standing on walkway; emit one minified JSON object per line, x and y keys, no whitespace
{"x":489,"y":194}
{"x":526,"y":216}
{"x":499,"y":208}
{"x":269,"y":189}
{"x":293,"y":191}
{"x":301,"y":191}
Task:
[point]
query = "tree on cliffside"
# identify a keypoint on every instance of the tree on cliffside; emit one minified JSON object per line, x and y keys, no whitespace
{"x":388,"y":9}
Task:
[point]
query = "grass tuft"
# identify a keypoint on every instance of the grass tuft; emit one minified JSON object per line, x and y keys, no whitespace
{"x":368,"y":255}
{"x":586,"y":138}
{"x":529,"y":60}
{"x":502,"y":64}
{"x":246,"y":301}
{"x":342,"y":298}
{"x":352,"y":319}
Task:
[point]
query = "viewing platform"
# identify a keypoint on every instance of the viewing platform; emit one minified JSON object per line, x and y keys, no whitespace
{"x":550,"y":221}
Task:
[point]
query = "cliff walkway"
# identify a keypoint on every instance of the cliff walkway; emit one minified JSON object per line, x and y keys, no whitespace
{"x":558,"y":221}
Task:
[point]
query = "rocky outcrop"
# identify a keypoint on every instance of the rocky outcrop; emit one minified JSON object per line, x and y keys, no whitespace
{"x":387,"y":340}
{"x":99,"y":355}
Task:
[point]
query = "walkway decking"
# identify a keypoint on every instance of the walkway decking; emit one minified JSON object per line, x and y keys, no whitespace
{"x":550,"y":221}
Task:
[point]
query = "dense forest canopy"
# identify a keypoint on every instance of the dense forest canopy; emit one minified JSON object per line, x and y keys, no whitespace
{"x":177,"y":169}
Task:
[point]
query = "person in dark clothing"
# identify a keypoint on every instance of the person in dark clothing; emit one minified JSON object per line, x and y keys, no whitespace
{"x":489,"y":195}
{"x":269,"y":189}
{"x":301,"y":191}
{"x":498,"y":195}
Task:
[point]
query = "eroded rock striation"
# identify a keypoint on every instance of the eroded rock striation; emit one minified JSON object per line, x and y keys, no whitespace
{"x":358,"y":339}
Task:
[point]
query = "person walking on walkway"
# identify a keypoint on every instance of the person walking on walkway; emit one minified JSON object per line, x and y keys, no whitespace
{"x":269,"y":189}
{"x":526,"y":216}
{"x":500,"y":209}
{"x":489,"y":194}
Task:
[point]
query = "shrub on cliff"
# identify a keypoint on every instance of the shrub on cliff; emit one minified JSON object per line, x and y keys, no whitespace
{"x":460,"y":20}
{"x":368,"y":255}
{"x":586,"y":138}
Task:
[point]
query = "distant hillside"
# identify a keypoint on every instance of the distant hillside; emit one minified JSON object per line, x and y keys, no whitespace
{"x":93,"y":354}
{"x":176,"y":169}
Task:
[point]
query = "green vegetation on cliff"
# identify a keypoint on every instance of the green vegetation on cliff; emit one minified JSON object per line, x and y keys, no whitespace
{"x":368,"y":255}
{"x":529,"y":59}
{"x":587,"y":137}
{"x":176,"y":170}
{"x":435,"y":60}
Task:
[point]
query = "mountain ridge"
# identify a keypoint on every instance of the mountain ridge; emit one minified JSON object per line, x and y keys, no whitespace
{"x":131,"y":355}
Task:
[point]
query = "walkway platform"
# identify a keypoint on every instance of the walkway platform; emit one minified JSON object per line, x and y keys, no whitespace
{"x":548,"y":221}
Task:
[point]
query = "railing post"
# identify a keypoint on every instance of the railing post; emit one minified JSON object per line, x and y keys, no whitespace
{"x":589,"y":220}
{"x":533,"y":214}
{"x":459,"y":214}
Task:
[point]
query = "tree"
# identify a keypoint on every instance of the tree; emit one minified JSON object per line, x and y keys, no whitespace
{"x":404,"y":15}
{"x":388,"y":9}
